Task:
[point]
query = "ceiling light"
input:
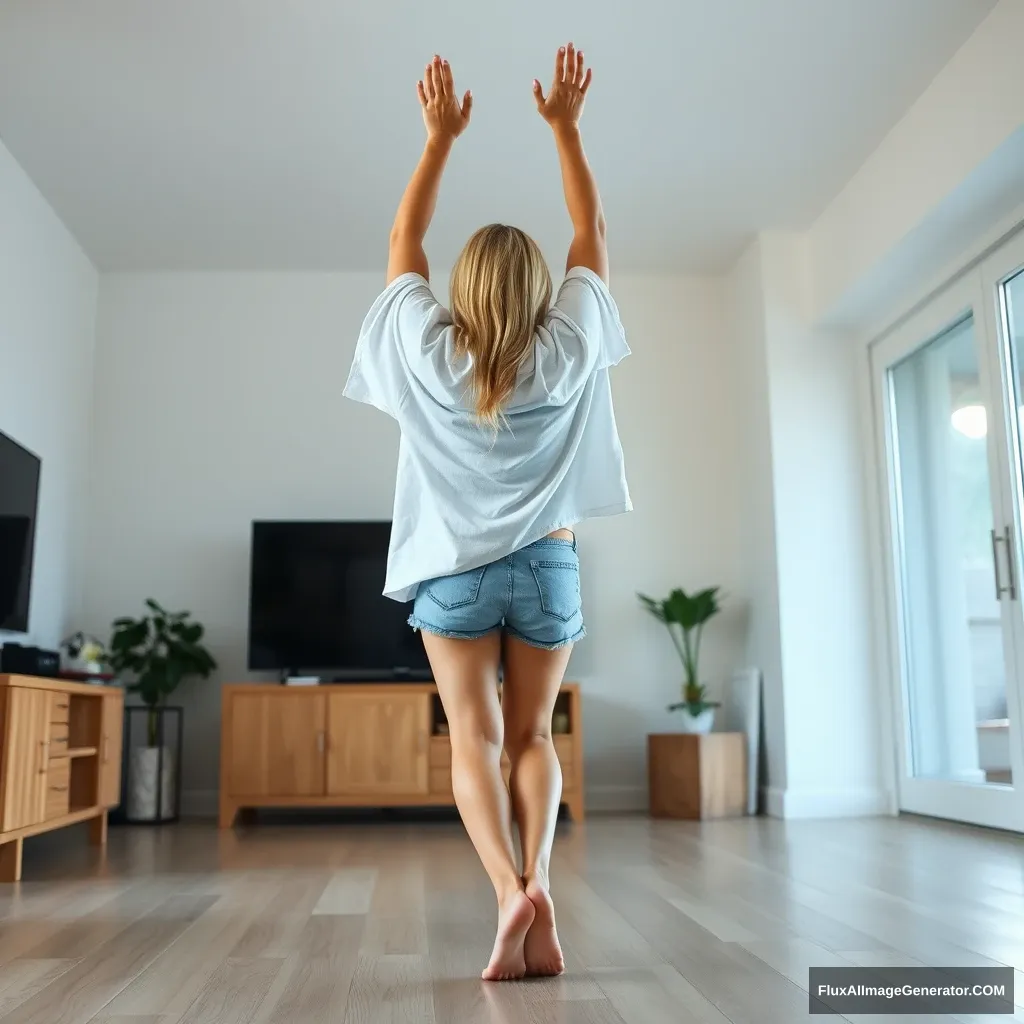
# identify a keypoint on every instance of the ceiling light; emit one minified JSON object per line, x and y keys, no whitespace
{"x":971,"y":421}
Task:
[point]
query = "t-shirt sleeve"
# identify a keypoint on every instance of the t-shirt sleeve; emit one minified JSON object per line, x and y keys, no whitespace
{"x":585,"y":314}
{"x":391,"y":341}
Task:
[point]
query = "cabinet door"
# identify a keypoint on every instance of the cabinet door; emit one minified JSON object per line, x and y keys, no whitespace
{"x":277,"y":743}
{"x":377,"y":744}
{"x":25,"y":756}
{"x":111,"y":738}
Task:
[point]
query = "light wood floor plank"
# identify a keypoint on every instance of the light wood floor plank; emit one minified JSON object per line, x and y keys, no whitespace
{"x":391,"y":990}
{"x":273,"y":934}
{"x":317,"y":978}
{"x":79,"y":994}
{"x":234,"y":993}
{"x":350,"y":891}
{"x":656,"y":995}
{"x":22,"y":979}
{"x":173,"y":980}
{"x":131,"y":1018}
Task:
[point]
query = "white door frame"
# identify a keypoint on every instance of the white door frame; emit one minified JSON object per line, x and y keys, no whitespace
{"x":973,"y":293}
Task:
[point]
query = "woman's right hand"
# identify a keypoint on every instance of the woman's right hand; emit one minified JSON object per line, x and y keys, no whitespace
{"x":563,"y":104}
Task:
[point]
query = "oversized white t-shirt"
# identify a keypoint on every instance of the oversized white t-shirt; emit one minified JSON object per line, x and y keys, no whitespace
{"x":466,"y":496}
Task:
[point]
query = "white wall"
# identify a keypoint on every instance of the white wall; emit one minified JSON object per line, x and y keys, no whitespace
{"x":744,"y":292}
{"x":805,"y":540}
{"x":831,"y":695}
{"x":48,"y":292}
{"x":219,"y":400}
{"x":943,"y":175}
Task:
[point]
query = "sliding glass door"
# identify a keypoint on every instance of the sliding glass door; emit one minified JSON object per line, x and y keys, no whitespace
{"x":949,"y":391}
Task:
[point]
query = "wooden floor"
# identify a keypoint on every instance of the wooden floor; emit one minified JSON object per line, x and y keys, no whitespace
{"x":388,"y":922}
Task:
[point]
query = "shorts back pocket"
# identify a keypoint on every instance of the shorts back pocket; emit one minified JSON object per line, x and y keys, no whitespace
{"x":456,"y":591}
{"x":559,"y":586}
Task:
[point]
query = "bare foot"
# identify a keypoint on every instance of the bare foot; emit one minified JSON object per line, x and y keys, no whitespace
{"x":542,"y":951}
{"x":514,"y":919}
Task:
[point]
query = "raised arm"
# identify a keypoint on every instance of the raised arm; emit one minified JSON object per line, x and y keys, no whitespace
{"x":562,"y":108}
{"x":445,"y":121}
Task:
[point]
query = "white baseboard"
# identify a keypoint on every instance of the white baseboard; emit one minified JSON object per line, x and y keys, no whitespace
{"x":608,"y":799}
{"x":203,"y":803}
{"x":827,"y":803}
{"x":199,"y":803}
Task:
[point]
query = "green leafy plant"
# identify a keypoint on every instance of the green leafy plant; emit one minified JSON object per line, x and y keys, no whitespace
{"x":685,"y":616}
{"x":158,"y":651}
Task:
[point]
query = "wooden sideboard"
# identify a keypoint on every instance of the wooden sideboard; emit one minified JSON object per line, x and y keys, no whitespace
{"x":356,"y":745}
{"x":60,"y":760}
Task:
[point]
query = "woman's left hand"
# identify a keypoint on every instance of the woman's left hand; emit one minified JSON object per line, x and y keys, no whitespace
{"x":442,"y":114}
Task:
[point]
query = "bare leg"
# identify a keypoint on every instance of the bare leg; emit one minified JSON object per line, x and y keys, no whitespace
{"x":532,"y":679}
{"x":466,"y":673}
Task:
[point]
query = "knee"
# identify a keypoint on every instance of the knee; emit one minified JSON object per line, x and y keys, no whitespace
{"x":522,"y":738}
{"x":473,"y":731}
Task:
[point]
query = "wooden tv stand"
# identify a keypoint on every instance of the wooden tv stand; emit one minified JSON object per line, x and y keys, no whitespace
{"x":60,"y":760}
{"x":355,"y":745}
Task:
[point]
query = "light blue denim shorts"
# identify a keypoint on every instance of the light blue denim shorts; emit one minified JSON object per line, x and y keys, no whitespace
{"x":532,"y":594}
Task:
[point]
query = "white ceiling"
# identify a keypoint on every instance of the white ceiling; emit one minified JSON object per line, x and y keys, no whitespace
{"x":270,"y":134}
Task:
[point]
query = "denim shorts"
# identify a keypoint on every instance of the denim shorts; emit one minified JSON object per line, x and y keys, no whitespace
{"x":532,"y":594}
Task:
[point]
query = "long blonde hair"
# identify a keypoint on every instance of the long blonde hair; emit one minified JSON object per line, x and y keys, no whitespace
{"x":500,"y":292}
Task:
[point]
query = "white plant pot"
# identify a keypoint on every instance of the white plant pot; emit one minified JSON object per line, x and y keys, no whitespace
{"x":696,"y":724}
{"x":142,"y":784}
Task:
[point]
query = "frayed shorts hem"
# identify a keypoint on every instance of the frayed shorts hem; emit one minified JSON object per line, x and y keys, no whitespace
{"x":477,"y":634}
{"x":451,"y":634}
{"x":556,"y":645}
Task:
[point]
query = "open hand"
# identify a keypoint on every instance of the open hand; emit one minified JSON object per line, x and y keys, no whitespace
{"x":564,"y":102}
{"x":442,"y":114}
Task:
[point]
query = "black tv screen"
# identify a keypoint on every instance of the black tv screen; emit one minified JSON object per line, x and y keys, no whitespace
{"x":315,"y":603}
{"x":19,"y":501}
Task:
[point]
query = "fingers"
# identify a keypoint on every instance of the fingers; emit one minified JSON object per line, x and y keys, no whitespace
{"x":560,"y":64}
{"x":570,"y":64}
{"x":444,"y":69}
{"x":428,"y":82}
{"x":587,"y":78}
{"x":467,"y":105}
{"x":538,"y":94}
{"x":578,"y":73}
{"x":421,"y":93}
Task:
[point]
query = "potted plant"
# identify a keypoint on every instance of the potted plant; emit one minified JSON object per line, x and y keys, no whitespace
{"x":685,"y":616}
{"x":156,"y":652}
{"x":84,"y":655}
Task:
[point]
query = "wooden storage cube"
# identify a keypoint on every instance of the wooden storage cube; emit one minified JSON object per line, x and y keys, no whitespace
{"x":697,"y":777}
{"x":83,"y":788}
{"x":85,"y":715}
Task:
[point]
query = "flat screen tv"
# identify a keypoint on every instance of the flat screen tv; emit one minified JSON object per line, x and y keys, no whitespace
{"x":19,"y":501}
{"x":316,"y":607}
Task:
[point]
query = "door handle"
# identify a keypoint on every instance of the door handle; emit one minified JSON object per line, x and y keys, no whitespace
{"x":1000,"y":589}
{"x":1010,"y":568}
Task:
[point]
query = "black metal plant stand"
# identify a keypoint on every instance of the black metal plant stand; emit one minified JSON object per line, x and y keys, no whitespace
{"x":162,"y":764}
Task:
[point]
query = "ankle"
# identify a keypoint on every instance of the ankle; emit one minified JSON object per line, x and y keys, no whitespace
{"x":537,"y":878}
{"x":507,"y":891}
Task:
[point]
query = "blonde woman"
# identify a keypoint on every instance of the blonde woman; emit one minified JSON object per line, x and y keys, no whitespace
{"x":508,"y":440}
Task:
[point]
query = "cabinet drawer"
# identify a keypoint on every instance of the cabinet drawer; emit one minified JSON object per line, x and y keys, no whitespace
{"x":58,"y":740}
{"x":441,"y":763}
{"x":58,"y":788}
{"x":441,"y":781}
{"x":440,"y":752}
{"x":60,"y":709}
